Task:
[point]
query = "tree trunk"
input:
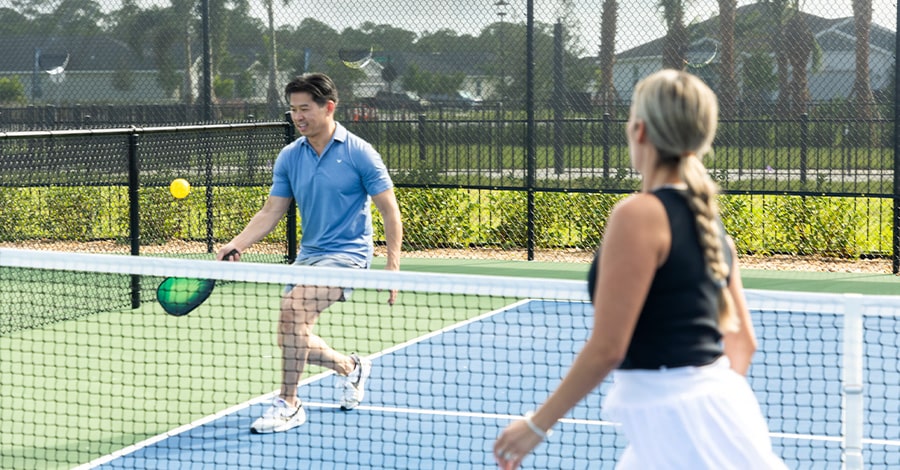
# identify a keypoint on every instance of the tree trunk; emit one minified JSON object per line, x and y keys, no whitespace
{"x":607,"y":92}
{"x":863,"y":99}
{"x":272,"y":97}
{"x":728,"y":87}
{"x":188,"y":69}
{"x":676,"y":37}
{"x":802,"y":43}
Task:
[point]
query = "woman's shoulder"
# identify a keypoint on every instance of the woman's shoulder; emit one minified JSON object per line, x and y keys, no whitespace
{"x":638,"y":206}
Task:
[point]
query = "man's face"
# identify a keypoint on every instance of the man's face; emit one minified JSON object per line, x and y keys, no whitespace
{"x":310,"y":119}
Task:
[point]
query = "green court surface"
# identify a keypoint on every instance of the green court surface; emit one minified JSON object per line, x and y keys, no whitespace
{"x":78,"y":389}
{"x":799,"y":281}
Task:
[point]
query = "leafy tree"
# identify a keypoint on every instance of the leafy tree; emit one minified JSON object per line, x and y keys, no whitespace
{"x":512,"y":70}
{"x":322,"y":40}
{"x":224,"y":87}
{"x":13,"y":23}
{"x":423,"y":82}
{"x":243,"y":85}
{"x":323,"y":43}
{"x":758,"y":77}
{"x":446,"y":40}
{"x":385,"y":37}
{"x":12,"y":91}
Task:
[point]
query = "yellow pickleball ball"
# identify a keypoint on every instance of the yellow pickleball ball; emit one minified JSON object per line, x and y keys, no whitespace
{"x":180,"y":188}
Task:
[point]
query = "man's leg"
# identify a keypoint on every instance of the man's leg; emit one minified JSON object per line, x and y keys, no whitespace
{"x":300,"y":308}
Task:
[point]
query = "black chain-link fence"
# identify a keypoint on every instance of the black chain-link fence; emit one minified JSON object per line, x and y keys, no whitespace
{"x":501,"y":119}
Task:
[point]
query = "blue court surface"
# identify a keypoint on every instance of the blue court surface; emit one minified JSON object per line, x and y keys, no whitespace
{"x":440,"y":401}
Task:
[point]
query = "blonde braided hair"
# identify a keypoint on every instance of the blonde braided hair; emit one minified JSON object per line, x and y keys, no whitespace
{"x":681,"y":115}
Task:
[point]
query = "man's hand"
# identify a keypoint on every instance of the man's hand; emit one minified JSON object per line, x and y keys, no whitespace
{"x":228,"y":253}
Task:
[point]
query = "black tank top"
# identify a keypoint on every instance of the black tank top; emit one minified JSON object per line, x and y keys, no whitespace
{"x":678,"y":325}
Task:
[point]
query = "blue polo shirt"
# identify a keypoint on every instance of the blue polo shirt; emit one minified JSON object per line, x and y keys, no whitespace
{"x":332,"y":193}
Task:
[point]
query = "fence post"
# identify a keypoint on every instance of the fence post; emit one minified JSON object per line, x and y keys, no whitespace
{"x":498,"y":118}
{"x":208,"y":176}
{"x":739,"y":140}
{"x":895,"y":256}
{"x":558,"y":100}
{"x":291,"y":221}
{"x":530,"y":136}
{"x":607,"y":121}
{"x":206,"y":87}
{"x":804,"y":134}
{"x":422,"y":137}
{"x":853,"y":409}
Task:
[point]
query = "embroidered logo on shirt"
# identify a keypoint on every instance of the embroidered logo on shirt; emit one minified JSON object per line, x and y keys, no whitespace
{"x":339,"y":160}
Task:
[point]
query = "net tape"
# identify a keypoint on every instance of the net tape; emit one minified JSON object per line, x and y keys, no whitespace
{"x":464,"y":284}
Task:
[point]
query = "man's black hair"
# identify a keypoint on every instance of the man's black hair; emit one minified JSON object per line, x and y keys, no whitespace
{"x":318,"y":85}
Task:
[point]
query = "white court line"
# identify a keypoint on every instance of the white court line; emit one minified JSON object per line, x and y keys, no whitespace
{"x":268,"y":396}
{"x":460,"y":414}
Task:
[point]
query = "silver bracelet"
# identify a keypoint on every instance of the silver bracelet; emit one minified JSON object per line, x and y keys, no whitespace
{"x":540,"y":432}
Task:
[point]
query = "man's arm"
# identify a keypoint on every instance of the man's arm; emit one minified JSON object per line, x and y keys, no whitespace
{"x":386,"y":203}
{"x":259,"y":226}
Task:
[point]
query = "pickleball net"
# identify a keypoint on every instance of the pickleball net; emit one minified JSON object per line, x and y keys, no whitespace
{"x":95,"y":374}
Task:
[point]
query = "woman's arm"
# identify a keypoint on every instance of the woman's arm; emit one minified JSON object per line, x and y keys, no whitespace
{"x":741,"y":344}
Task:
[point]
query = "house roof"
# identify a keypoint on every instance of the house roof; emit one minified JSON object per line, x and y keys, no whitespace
{"x":757,"y":15}
{"x":94,"y":53}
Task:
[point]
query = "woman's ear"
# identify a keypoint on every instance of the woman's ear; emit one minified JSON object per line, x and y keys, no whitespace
{"x":640,"y":130}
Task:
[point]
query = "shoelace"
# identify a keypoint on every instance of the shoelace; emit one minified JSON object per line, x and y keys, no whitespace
{"x":284,"y":411}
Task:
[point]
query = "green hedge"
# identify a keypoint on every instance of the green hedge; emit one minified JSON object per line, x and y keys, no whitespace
{"x":447,"y":218}
{"x":828,"y":226}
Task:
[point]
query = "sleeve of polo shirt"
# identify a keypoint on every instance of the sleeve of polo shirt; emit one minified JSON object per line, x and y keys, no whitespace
{"x":375,"y":176}
{"x":281,"y":183}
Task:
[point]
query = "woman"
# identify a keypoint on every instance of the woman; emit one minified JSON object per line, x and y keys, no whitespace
{"x":669,"y":310}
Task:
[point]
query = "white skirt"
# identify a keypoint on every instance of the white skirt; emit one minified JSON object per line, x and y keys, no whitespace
{"x":690,"y":418}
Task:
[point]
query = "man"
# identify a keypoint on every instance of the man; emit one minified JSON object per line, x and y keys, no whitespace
{"x":332,"y":174}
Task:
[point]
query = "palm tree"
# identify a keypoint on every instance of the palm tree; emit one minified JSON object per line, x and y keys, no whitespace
{"x":607,"y":93}
{"x":797,"y":46}
{"x":273,"y":97}
{"x":862,"y":90}
{"x":676,"y":34}
{"x":181,"y":10}
{"x":803,"y":44}
{"x":779,"y":10}
{"x":728,"y":87}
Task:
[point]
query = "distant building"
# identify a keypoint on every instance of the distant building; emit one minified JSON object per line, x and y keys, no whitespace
{"x":104,"y":70}
{"x":80,"y":70}
{"x":835,"y":37}
{"x":477,"y":85}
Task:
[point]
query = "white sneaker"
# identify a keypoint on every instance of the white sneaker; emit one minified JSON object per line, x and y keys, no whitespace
{"x":279,"y":417}
{"x":353,"y":383}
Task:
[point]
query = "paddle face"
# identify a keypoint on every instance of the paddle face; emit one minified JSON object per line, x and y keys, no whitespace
{"x":178,"y":296}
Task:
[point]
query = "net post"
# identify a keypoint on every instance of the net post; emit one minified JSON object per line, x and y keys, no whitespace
{"x":852,"y":387}
{"x":134,"y":212}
